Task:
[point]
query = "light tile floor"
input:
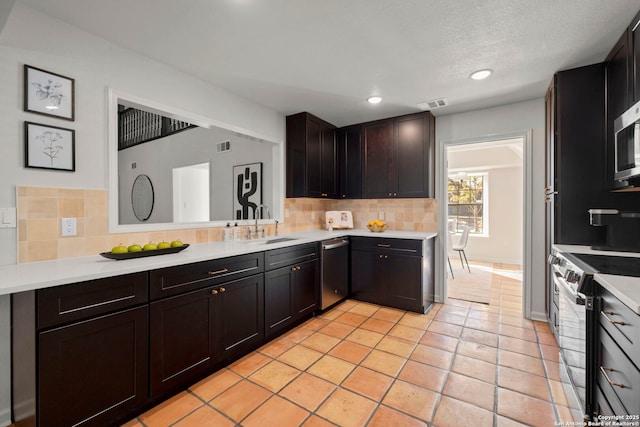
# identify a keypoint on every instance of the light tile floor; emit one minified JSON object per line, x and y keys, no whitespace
{"x":361,"y":364}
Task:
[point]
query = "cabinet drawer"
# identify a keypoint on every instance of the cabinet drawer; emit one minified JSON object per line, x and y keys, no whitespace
{"x":277,"y":258}
{"x":62,"y":304}
{"x":621,"y":322}
{"x":404,"y":246}
{"x":176,"y":280}
{"x":618,"y":378}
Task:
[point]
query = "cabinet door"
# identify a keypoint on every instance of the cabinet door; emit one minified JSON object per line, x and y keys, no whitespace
{"x":95,"y":372}
{"x":403,"y":281}
{"x":305,"y":288}
{"x":239,"y":308}
{"x":328,"y":164}
{"x":379,"y":160}
{"x":618,"y":94}
{"x":315,"y":131}
{"x":414,"y":157}
{"x":634,"y":29}
{"x":366,"y":276}
{"x":182,"y":340}
{"x":278,"y":304}
{"x":349,"y":162}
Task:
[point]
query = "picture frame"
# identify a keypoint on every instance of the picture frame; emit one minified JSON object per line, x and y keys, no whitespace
{"x":48,"y":93}
{"x":49,"y":147}
{"x":247,"y":190}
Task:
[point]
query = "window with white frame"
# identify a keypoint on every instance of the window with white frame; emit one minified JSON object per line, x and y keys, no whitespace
{"x":467,"y":202}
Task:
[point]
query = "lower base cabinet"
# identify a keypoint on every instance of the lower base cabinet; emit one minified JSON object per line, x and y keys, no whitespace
{"x":393,"y":272}
{"x":80,"y":353}
{"x":94,"y":371}
{"x":98,"y":353}
{"x":291,"y":293}
{"x":194,"y":332}
{"x":617,"y":369}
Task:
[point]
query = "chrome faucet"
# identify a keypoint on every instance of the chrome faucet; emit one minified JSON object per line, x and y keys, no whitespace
{"x":257,"y":211}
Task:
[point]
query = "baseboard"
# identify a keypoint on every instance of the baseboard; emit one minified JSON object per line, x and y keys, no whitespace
{"x":540,"y":317}
{"x":5,"y":417}
{"x":495,"y":260}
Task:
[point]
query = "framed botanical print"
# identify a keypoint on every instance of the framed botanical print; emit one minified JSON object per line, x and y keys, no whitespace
{"x":49,"y":147}
{"x":49,"y":93}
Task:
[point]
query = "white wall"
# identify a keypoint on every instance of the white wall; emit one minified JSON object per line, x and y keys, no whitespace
{"x":35,"y":39}
{"x":522,"y":116}
{"x":504,"y":241}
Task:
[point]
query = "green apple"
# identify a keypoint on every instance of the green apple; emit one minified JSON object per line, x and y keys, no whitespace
{"x":120,"y":249}
{"x":134,"y":248}
{"x":176,"y":244}
{"x":164,"y":245}
{"x":150,"y":247}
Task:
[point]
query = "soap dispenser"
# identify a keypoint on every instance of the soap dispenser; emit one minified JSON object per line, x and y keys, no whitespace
{"x":228,"y":233}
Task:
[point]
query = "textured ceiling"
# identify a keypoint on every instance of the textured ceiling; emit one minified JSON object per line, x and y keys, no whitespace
{"x":328,"y":56}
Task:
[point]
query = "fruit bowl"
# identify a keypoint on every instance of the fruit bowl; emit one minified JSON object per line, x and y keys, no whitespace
{"x":377,"y":228}
{"x":130,"y":255}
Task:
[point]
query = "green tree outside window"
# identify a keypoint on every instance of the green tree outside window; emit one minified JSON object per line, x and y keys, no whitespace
{"x":465,"y":202}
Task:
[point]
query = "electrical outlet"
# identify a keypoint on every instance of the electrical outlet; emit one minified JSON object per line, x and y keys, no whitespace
{"x":68,"y":227}
{"x":381,"y":215}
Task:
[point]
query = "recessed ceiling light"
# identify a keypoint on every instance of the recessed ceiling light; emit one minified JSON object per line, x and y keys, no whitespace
{"x":374,"y":100}
{"x":481,"y":74}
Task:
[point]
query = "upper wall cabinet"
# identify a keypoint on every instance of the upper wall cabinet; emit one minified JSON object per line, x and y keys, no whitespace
{"x":623,"y":87}
{"x":634,"y":48}
{"x":311,"y":157}
{"x":398,"y":156}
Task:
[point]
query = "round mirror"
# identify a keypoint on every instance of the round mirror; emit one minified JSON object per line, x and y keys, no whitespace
{"x":142,"y":197}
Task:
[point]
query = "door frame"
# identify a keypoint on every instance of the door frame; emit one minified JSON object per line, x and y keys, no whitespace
{"x":441,"y":270}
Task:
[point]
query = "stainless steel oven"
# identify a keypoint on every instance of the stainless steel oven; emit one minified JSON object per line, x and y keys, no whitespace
{"x":574,"y":281}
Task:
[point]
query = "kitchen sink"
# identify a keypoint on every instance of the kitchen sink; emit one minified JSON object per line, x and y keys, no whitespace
{"x":269,"y":241}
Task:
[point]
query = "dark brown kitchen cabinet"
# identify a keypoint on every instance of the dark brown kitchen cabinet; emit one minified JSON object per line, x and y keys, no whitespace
{"x":349,"y":162}
{"x":94,"y":371}
{"x":618,"y":358}
{"x":398,"y":156}
{"x":634,"y":35}
{"x":182,"y":340}
{"x":193,"y":332}
{"x":311,"y":157}
{"x":392,"y":272}
{"x":81,"y":352}
{"x":575,"y":149}
{"x":619,"y":92}
{"x":291,"y":286}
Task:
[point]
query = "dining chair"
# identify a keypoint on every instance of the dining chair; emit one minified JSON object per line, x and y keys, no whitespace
{"x":460,"y":245}
{"x":448,"y":248}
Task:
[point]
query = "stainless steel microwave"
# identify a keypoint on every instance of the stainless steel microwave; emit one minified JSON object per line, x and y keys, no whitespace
{"x":627,"y":143}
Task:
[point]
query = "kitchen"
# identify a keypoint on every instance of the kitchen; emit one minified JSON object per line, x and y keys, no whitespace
{"x":96,"y":64}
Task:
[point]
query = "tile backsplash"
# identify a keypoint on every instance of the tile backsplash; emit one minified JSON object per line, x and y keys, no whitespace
{"x":40,"y":210}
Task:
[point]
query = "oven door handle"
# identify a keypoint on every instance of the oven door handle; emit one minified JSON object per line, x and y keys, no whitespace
{"x":566,"y":289}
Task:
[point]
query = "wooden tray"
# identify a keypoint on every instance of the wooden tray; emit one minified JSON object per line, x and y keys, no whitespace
{"x":141,"y":254}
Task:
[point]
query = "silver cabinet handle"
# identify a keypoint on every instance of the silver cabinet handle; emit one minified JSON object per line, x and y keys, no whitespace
{"x":606,"y":376}
{"x":610,"y":320}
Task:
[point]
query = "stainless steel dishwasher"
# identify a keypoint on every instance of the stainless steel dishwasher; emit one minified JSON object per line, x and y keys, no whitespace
{"x":335,"y":271}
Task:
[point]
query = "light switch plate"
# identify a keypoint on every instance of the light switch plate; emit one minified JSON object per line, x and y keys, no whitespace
{"x":7,"y":217}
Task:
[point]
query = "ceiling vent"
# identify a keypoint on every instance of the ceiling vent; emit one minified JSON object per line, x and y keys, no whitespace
{"x":224,"y":146}
{"x":433,"y":104}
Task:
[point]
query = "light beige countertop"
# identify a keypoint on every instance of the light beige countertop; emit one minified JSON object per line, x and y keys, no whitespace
{"x":39,"y":275}
{"x":625,"y":288}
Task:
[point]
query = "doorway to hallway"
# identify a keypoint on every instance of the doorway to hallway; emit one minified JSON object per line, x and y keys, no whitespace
{"x":484,"y":220}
